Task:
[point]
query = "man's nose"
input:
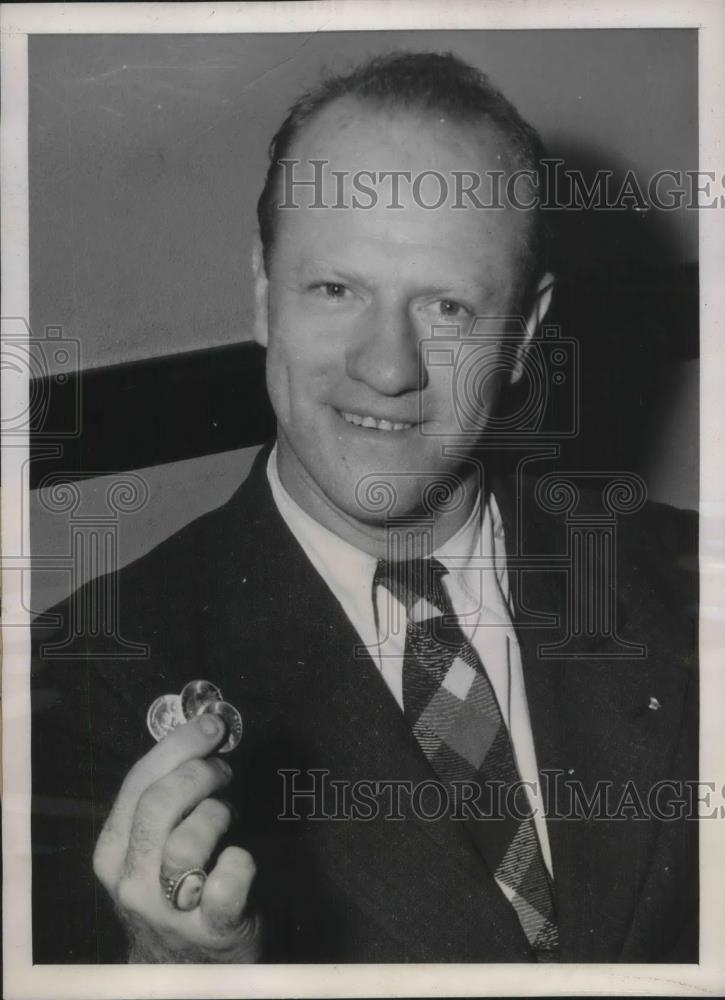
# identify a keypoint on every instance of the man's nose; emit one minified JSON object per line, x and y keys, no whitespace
{"x":384,"y":352}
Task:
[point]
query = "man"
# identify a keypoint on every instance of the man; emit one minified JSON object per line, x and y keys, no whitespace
{"x":365,"y":602}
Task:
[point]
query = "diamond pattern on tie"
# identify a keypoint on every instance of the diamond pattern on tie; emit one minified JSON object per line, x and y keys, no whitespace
{"x":459,"y":678}
{"x":452,"y":709}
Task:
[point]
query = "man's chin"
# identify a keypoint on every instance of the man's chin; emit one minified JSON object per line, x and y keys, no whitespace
{"x":379,"y":501}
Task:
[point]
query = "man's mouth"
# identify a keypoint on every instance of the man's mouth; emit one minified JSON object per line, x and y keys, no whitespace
{"x":374,"y":423}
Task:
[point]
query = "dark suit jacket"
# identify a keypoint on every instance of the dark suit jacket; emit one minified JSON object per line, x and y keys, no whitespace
{"x":232,"y":598}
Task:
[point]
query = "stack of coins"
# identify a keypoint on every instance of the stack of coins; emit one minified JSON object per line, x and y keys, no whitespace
{"x":197,"y":697}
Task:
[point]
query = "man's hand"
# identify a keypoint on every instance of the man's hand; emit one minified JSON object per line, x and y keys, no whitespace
{"x":164,"y":822}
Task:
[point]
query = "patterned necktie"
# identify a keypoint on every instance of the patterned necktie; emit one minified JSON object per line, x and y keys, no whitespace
{"x":453,"y":712}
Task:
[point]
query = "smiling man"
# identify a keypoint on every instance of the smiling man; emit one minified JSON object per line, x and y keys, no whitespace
{"x":347,"y":295}
{"x":365,"y":603}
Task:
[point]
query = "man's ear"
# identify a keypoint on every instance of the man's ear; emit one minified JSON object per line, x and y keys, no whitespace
{"x":539,"y":309}
{"x":261,"y":300}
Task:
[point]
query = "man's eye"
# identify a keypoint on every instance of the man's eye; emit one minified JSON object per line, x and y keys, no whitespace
{"x":448,"y":307}
{"x":333,"y":290}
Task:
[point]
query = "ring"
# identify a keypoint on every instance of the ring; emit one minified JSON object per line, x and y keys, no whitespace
{"x":184,"y":891}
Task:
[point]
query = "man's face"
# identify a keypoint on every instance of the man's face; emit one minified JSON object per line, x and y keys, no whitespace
{"x":353,"y":292}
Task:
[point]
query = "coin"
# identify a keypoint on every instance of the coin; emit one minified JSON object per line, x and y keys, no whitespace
{"x":195,"y":695}
{"x":232,"y":720}
{"x":164,"y":715}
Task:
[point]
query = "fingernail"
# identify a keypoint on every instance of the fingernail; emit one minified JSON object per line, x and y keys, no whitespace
{"x":210,"y":725}
{"x":222,"y":765}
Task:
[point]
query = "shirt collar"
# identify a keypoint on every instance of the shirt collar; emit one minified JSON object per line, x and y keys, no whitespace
{"x":347,"y":570}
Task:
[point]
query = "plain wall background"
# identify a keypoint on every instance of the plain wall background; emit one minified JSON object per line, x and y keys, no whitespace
{"x":148,"y":154}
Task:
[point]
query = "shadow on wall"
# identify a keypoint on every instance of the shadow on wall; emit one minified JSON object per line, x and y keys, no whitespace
{"x":631,"y":303}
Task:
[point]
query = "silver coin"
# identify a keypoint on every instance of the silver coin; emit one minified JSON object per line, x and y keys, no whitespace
{"x":232,"y":720}
{"x":164,"y":715}
{"x":196,"y":694}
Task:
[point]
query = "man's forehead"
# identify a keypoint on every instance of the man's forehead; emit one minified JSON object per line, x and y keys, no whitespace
{"x":353,"y":134}
{"x":421,"y":217}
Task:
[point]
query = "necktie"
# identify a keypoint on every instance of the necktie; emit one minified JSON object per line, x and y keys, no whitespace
{"x":454,"y":714}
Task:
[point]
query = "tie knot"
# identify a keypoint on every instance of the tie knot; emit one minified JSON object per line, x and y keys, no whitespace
{"x":417,"y":584}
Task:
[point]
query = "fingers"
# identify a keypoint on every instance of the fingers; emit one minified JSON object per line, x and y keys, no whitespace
{"x":162,"y":806}
{"x":192,"y":842}
{"x":224,"y":899}
{"x":219,"y":930}
{"x":196,"y":739}
{"x":165,"y":823}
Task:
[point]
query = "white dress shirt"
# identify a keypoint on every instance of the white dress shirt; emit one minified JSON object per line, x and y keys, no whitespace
{"x":477,"y":584}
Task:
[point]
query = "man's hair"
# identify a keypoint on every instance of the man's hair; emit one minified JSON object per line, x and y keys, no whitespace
{"x":430,"y":82}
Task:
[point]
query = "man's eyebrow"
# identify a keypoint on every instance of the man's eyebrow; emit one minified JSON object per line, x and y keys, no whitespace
{"x":319,"y":267}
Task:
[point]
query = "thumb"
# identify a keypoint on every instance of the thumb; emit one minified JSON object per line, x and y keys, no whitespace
{"x":223,"y":906}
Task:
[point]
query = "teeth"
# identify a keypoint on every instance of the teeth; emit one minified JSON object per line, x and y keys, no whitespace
{"x":379,"y":425}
